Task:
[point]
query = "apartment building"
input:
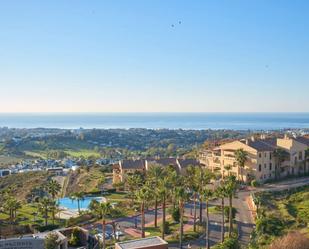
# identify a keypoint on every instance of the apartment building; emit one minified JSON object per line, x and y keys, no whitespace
{"x":126,"y":167}
{"x":262,"y":162}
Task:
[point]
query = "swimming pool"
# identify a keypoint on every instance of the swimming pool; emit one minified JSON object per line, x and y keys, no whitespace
{"x":70,"y":204}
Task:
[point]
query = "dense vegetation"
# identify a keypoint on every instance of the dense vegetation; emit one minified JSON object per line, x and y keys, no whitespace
{"x":109,"y":143}
{"x":279,"y":213}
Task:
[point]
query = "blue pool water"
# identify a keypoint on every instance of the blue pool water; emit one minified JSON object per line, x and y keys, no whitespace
{"x":70,"y":204}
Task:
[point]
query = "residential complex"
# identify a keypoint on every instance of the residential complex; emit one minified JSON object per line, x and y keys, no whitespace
{"x":126,"y":167}
{"x":262,"y":162}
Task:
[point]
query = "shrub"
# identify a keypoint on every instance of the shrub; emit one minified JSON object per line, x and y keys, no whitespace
{"x":229,"y":243}
{"x":167,"y":227}
{"x":269,"y":225}
{"x":49,"y":227}
{"x":254,"y":183}
{"x":227,"y":212}
{"x":175,"y":214}
{"x":51,"y":241}
{"x":75,"y":237}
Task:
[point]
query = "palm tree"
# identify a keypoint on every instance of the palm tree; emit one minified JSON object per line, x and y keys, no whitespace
{"x":143,"y":195}
{"x":173,"y":179}
{"x":280,"y":156}
{"x":12,"y":205}
{"x":207,"y":195}
{"x":222,"y":193}
{"x":133,"y":183}
{"x":53,"y":206}
{"x":103,"y":209}
{"x":163,"y":191}
{"x":231,"y":187}
{"x":78,"y":196}
{"x":53,"y":188}
{"x":202,"y":180}
{"x":191,"y":173}
{"x":182,"y":196}
{"x":44,"y":208}
{"x":155,"y":173}
{"x":228,"y":169}
{"x":241,"y":157}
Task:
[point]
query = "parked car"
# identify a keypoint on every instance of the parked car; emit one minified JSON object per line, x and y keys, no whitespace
{"x":107,"y":236}
{"x":118,"y":234}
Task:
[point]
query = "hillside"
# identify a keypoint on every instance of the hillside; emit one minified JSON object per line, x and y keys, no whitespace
{"x":84,"y":180}
{"x":21,"y":185}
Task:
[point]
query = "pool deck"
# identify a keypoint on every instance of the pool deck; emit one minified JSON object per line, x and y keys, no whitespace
{"x":66,"y":213}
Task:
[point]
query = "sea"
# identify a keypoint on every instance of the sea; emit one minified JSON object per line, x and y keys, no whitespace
{"x":196,"y":121}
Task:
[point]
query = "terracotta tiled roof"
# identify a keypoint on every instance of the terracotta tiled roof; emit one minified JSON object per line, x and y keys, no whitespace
{"x":133,"y":164}
{"x":263,"y":144}
{"x":165,"y":161}
{"x":187,"y":162}
{"x":303,"y":140}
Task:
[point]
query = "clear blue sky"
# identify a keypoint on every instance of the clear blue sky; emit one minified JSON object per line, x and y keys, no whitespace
{"x":135,"y":56}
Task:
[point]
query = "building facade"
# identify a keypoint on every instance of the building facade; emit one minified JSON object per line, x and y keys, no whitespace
{"x":262,"y":162}
{"x":126,"y":167}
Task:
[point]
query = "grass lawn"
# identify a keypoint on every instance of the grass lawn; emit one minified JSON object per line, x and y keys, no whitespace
{"x":173,"y":236}
{"x":82,"y":153}
{"x":25,"y":216}
{"x":118,"y":196}
{"x":36,"y":154}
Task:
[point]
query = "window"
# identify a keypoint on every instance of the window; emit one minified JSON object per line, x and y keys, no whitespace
{"x":260,"y":155}
{"x":270,"y":166}
{"x":270,"y":155}
{"x":295,"y":160}
{"x":265,"y":154}
{"x":265,"y":166}
{"x":300,"y":155}
{"x":260,"y":167}
{"x":269,"y":175}
{"x":264,"y":176}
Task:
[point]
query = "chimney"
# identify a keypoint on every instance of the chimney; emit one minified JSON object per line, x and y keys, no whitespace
{"x":252,"y":138}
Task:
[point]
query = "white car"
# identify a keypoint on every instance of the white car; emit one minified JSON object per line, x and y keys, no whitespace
{"x":107,"y":236}
{"x":118,"y":234}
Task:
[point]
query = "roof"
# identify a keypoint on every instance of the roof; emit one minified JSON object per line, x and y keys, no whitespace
{"x":142,"y":243}
{"x":303,"y":140}
{"x":165,"y":161}
{"x":133,"y":164}
{"x":262,"y":144}
{"x":187,"y":162}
